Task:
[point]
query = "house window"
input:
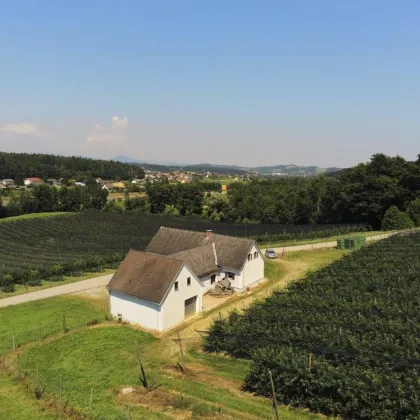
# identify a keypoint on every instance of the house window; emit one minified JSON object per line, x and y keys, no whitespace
{"x":230,"y":276}
{"x":255,"y":254}
{"x":213,"y":279}
{"x":188,"y":281}
{"x":176,"y":286}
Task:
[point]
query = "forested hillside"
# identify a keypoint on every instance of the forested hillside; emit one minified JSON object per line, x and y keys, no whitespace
{"x":18,"y":166}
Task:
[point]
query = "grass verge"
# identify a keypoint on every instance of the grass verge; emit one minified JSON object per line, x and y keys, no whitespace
{"x":43,"y":318}
{"x":16,"y":403}
{"x":33,"y":216}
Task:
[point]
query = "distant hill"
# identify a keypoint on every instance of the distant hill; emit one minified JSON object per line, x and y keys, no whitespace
{"x":128,"y":159}
{"x":292,"y":170}
{"x":276,"y":170}
{"x":220,"y":169}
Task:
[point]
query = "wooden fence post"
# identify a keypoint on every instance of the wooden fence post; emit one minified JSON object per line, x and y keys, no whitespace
{"x":90,"y":400}
{"x":14,"y":339}
{"x":18,"y":363}
{"x":182,"y":352}
{"x":61,"y":392}
{"x":273,"y":390}
{"x":64,"y":323}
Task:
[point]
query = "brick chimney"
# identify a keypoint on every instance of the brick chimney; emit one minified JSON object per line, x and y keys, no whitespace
{"x":208,"y":233}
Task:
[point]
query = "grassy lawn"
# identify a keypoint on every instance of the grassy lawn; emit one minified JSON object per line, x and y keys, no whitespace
{"x":20,"y":289}
{"x":102,"y":358}
{"x":32,"y":216}
{"x":16,"y":403}
{"x":48,"y":313}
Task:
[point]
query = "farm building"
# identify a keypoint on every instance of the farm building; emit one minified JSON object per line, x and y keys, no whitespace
{"x":163,"y":286}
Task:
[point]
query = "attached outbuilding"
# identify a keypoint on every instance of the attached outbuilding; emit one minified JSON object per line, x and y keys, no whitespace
{"x":154,"y":291}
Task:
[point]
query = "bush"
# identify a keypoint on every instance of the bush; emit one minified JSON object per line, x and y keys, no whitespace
{"x":396,"y":219}
{"x":112,"y":206}
{"x":56,"y":272}
{"x":413,"y":211}
{"x":34,"y":278}
{"x":7,"y":283}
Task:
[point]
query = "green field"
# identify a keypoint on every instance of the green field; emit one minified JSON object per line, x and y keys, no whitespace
{"x":102,"y":359}
{"x":46,"y":315}
{"x":347,"y":335}
{"x":17,"y":403}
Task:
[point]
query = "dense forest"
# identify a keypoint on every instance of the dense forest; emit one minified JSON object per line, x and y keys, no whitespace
{"x":18,"y":166}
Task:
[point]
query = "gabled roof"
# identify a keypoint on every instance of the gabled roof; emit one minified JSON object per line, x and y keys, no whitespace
{"x":201,"y":260}
{"x":145,"y":276}
{"x":231,"y":251}
{"x":35,"y":179}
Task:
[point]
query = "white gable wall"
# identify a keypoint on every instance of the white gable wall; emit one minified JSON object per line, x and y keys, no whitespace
{"x":135,"y":310}
{"x":173,"y":308}
{"x":253,"y":269}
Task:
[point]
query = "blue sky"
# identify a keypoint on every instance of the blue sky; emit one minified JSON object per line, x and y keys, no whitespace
{"x":236,"y":82}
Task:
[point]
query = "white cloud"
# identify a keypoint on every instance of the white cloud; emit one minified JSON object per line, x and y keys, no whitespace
{"x":98,"y":127}
{"x":25,"y":128}
{"x":107,"y":135}
{"x":119,"y":124}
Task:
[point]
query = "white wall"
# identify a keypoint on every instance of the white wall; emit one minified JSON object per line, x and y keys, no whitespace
{"x":253,"y":269}
{"x":173,"y":308}
{"x":136,"y":311}
{"x":237,"y":282}
{"x":206,"y":280}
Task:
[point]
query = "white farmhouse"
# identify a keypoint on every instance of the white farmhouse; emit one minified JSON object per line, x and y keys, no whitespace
{"x":161,"y":287}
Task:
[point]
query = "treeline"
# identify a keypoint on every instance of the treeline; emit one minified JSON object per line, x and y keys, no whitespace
{"x":44,"y":198}
{"x":18,"y":166}
{"x":362,"y":194}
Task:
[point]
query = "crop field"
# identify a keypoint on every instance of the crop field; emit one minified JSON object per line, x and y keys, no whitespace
{"x":83,"y":372}
{"x":343,"y":341}
{"x":68,"y":244}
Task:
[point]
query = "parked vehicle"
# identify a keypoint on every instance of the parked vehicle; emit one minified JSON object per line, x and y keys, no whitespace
{"x":270,"y":254}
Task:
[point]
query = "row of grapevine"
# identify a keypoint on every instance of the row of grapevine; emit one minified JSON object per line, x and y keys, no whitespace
{"x":343,"y":341}
{"x":48,"y":248}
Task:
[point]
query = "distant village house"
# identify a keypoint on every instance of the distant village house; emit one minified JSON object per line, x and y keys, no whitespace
{"x":33,"y":182}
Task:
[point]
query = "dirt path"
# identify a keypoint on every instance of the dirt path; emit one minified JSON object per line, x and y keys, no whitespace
{"x":66,"y":289}
{"x":324,"y":245}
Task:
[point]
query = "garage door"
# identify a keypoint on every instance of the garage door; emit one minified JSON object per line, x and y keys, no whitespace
{"x":190,"y":306}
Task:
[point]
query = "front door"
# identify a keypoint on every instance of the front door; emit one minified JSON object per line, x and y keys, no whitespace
{"x":190,"y":307}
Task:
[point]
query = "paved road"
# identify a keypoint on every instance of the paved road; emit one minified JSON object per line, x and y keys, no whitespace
{"x":66,"y":289}
{"x":323,"y":245}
